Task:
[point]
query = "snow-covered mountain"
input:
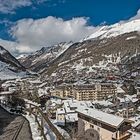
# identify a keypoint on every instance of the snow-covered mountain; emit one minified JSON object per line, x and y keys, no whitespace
{"x":42,"y":58}
{"x":10,"y":67}
{"x":116,"y":29}
{"x":105,"y":49}
{"x":95,"y":57}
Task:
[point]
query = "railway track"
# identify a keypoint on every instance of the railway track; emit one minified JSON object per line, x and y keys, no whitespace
{"x":12,"y":133}
{"x":13,"y":127}
{"x":18,"y":130}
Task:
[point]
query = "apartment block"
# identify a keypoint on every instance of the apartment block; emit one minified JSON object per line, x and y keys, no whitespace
{"x":85,"y":92}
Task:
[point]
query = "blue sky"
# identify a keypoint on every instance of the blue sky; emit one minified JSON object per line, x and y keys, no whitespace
{"x":94,"y":13}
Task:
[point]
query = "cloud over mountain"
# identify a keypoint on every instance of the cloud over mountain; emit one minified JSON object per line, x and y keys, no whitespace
{"x":49,"y":31}
{"x":32,"y":34}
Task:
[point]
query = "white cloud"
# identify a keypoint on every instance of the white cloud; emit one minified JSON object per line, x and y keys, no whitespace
{"x":9,"y":45}
{"x":30,"y":35}
{"x":9,"y":6}
{"x":14,"y":47}
{"x":35,"y":34}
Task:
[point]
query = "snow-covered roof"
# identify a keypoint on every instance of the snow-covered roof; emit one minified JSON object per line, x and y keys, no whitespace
{"x":67,"y":107}
{"x":72,"y":117}
{"x":128,"y":98}
{"x":42,"y":92}
{"x":43,"y":84}
{"x":101,"y":116}
{"x":31,"y":102}
{"x":6,"y":93}
{"x":120,"y":90}
{"x":57,"y":101}
{"x":103,"y":102}
{"x":69,"y":104}
{"x":8,"y":84}
{"x":135,"y":136}
{"x":2,"y":97}
{"x":35,"y":82}
{"x":136,"y":120}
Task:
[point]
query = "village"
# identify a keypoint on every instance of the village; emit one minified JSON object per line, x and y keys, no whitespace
{"x":69,"y":70}
{"x":100,"y":105}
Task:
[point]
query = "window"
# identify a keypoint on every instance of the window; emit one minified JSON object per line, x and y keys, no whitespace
{"x":91,"y":134}
{"x":91,"y":126}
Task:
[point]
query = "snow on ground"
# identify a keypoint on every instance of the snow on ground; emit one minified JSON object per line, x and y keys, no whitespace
{"x":42,"y":92}
{"x":62,"y":131}
{"x":50,"y":135}
{"x":136,"y":120}
{"x":132,"y":37}
{"x":103,"y":65}
{"x":135,"y":136}
{"x":22,"y":56}
{"x":6,"y":73}
{"x":78,"y":66}
{"x":34,"y":127}
{"x":47,"y":131}
{"x":62,"y":63}
{"x":31,"y":102}
{"x":52,"y":54}
{"x":64,"y":48}
{"x":36,"y":134}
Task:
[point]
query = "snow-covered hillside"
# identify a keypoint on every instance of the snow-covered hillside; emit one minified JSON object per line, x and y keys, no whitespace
{"x":54,"y":52}
{"x":116,"y":41}
{"x":6,"y":72}
{"x":116,"y":29}
{"x":9,"y":66}
{"x":41,"y":58}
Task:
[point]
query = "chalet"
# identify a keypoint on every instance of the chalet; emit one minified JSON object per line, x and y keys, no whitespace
{"x":106,"y":126}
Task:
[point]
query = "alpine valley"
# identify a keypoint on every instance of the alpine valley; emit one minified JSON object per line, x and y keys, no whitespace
{"x":111,"y":50}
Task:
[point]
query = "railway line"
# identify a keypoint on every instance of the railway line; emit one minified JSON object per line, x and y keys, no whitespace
{"x":13,"y":127}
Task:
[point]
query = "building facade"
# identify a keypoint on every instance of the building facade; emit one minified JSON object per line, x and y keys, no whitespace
{"x":93,"y":123}
{"x":85,"y":92}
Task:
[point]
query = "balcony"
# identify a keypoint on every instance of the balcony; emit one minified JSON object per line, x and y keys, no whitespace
{"x":125,"y":136}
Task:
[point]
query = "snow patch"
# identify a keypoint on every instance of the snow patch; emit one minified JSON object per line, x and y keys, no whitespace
{"x":132,"y":37}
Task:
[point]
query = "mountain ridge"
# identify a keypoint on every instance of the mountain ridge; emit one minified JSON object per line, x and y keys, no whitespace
{"x":10,"y":67}
{"x":117,"y":41}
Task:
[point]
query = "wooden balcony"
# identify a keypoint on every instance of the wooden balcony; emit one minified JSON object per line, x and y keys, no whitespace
{"x":125,"y":136}
{"x":125,"y":128}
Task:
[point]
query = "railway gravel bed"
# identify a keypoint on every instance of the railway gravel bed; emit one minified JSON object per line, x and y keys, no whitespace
{"x":13,"y":127}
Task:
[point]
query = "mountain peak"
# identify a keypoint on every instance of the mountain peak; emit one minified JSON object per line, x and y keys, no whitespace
{"x":116,"y":29}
